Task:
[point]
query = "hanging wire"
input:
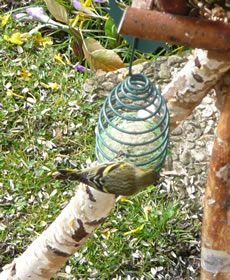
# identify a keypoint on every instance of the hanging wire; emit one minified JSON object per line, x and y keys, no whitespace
{"x":135,"y":40}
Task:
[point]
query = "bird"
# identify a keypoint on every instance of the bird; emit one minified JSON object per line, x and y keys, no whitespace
{"x":119,"y":178}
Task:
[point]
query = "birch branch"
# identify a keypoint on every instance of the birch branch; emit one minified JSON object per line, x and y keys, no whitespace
{"x":86,"y":210}
{"x":192,"y":83}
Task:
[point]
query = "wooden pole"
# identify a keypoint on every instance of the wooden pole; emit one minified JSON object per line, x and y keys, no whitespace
{"x":215,"y":252}
{"x":175,"y":29}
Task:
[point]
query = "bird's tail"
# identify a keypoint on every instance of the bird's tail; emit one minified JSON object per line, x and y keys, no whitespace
{"x":73,"y":175}
{"x":67,"y":174}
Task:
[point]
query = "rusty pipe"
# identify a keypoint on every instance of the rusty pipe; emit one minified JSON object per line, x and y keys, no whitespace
{"x":175,"y":29}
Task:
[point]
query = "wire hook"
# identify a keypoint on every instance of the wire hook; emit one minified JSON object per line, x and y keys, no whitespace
{"x":135,"y":41}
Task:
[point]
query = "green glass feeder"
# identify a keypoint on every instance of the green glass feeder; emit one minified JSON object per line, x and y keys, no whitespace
{"x":133,"y":124}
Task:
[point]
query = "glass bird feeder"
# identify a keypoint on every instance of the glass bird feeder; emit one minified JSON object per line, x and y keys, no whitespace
{"x":133,"y":124}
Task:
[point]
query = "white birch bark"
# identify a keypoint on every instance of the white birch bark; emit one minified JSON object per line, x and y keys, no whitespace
{"x":86,"y":210}
{"x":193,"y":82}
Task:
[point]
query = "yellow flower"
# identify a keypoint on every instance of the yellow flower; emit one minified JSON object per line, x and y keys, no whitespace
{"x":59,"y":58}
{"x":106,"y":233}
{"x":86,"y":4}
{"x":5,"y":19}
{"x":135,"y":230}
{"x":38,"y":40}
{"x":24,"y":75}
{"x":11,"y":93}
{"x":79,"y":17}
{"x":74,"y":21}
{"x":16,"y":38}
{"x":124,"y":199}
{"x":52,"y":86}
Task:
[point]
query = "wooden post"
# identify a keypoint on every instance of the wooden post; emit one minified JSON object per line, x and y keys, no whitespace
{"x":215,"y":252}
{"x":175,"y":29}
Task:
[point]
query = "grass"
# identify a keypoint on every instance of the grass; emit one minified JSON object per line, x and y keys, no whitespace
{"x":43,"y":127}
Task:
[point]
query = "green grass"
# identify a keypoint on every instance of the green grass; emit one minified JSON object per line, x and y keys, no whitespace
{"x":136,"y":253}
{"x":41,"y":128}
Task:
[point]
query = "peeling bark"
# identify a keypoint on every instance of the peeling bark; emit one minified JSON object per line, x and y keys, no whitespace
{"x":192,"y":83}
{"x":215,"y":251}
{"x":63,"y":238}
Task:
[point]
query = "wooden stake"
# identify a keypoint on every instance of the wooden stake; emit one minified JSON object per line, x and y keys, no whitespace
{"x":215,"y":252}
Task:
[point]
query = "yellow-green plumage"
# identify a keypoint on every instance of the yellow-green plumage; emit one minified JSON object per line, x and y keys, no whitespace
{"x":119,"y":178}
